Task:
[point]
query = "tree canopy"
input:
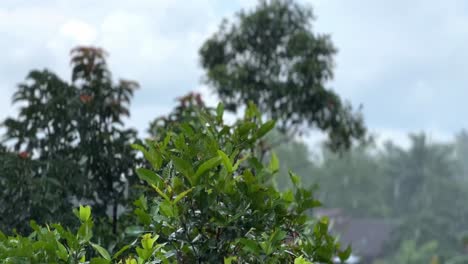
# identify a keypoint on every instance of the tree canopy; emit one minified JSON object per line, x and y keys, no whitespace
{"x":272,"y":57}
{"x":73,"y":135}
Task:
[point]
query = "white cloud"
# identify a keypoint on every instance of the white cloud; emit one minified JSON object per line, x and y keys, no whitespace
{"x":405,"y":61}
{"x":79,"y":31}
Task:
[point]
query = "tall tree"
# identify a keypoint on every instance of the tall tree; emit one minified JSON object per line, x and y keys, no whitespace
{"x":187,"y":111}
{"x":461,"y":151}
{"x":75,"y":132}
{"x":354,"y":182}
{"x":27,"y":193}
{"x":426,"y":195}
{"x":271,"y":56}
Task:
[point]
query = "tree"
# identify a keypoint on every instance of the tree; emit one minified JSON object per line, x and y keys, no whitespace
{"x":214,"y":199}
{"x":26,"y":195}
{"x":353,"y":181}
{"x":410,"y":253}
{"x":419,"y":189}
{"x":427,"y":196}
{"x":187,"y":111}
{"x":271,"y":56}
{"x":461,"y":151}
{"x":74,"y":132}
{"x":208,"y":200}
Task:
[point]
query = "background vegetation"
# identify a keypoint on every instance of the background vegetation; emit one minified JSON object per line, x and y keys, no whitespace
{"x":203,"y":191}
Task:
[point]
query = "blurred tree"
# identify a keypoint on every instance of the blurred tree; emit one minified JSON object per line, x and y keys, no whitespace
{"x":426,"y":195}
{"x":186,"y":111}
{"x":461,"y":151}
{"x":271,"y":56}
{"x":26,"y":193}
{"x":353,"y":181}
{"x":74,"y":132}
{"x":410,"y":253}
{"x":294,"y":155}
{"x":419,"y":188}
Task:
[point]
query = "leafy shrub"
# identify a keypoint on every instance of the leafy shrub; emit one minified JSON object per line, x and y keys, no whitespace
{"x":208,"y":199}
{"x":73,"y":135}
{"x":55,"y":244}
{"x":213,"y":199}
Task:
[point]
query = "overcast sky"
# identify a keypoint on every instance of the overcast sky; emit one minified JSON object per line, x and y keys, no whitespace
{"x":405,"y":61}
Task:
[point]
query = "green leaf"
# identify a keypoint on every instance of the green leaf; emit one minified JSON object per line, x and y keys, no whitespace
{"x":62,"y":251}
{"x":249,"y":178}
{"x":186,"y":129}
{"x":102,"y":251}
{"x":229,"y":260}
{"x":245,"y":128}
{"x":99,"y":261}
{"x":122,"y":250}
{"x":274,"y":163}
{"x":239,"y":161}
{"x":138,"y":147}
{"x":277,"y":236}
{"x":207,"y":165}
{"x":219,"y":112}
{"x":288,"y":196}
{"x":141,"y":202}
{"x":344,"y":255}
{"x":149,"y":176}
{"x":179,"y":142}
{"x":166,"y":140}
{"x":183,"y":167}
{"x":301,"y":260}
{"x":161,"y":193}
{"x":84,"y":213}
{"x":250,"y":245}
{"x":265,"y":128}
{"x":153,"y":156}
{"x":85,"y":232}
{"x":166,"y":208}
{"x":182,"y":195}
{"x":226,"y":161}
{"x":147,"y":241}
{"x":143,"y":217}
{"x":295,"y":179}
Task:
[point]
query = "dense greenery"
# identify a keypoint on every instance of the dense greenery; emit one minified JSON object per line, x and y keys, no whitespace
{"x":209,"y":192}
{"x":208,"y":200}
{"x":271,"y":56}
{"x":185,"y":111}
{"x":23,"y":187}
{"x":70,"y":142}
{"x":422,"y":188}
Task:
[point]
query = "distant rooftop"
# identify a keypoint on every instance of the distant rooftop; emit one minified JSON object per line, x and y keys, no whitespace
{"x":366,"y":235}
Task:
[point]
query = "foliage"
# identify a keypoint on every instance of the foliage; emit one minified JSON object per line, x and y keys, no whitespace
{"x":208,"y":200}
{"x":424,"y":184}
{"x":73,"y":134}
{"x":270,"y":56}
{"x":215,"y":202}
{"x":410,"y":253}
{"x":353,"y":181}
{"x":422,"y":188}
{"x":293,"y":153}
{"x":461,"y":152}
{"x":185,"y":112}
{"x":55,"y":244}
{"x":36,"y":196}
